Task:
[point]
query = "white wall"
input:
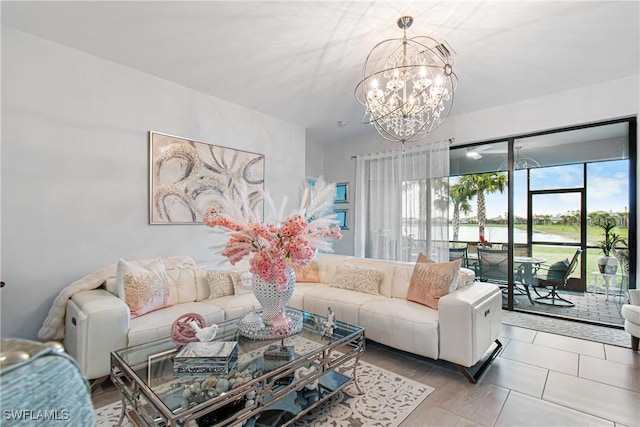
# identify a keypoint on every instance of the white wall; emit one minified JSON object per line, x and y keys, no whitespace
{"x":616,"y":99}
{"x":75,"y":168}
{"x":314,"y":160}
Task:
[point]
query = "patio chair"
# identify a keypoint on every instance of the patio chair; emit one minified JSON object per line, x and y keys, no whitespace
{"x":522,"y":250}
{"x":555,"y":276}
{"x":472,"y":249}
{"x":519,"y":249}
{"x":493,"y":266}
{"x":459,"y":253}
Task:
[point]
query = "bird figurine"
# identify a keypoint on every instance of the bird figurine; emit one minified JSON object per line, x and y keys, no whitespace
{"x":204,"y":334}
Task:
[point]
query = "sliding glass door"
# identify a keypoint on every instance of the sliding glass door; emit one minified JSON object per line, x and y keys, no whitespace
{"x":562,"y":186}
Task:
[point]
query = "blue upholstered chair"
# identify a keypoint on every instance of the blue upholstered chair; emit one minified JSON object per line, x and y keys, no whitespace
{"x":42,"y":385}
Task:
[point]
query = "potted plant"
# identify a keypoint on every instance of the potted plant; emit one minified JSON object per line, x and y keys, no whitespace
{"x":607,"y":264}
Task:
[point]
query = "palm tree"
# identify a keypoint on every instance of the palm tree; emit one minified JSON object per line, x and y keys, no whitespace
{"x":460,"y":197}
{"x":478,"y":184}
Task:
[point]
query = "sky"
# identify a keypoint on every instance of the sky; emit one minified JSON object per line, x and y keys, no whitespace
{"x":607,"y":190}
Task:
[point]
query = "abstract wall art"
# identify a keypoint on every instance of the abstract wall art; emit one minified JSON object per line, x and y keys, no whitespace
{"x":185,"y":176}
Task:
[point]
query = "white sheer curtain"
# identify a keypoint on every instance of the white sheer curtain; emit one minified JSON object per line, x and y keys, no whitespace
{"x":402,"y":203}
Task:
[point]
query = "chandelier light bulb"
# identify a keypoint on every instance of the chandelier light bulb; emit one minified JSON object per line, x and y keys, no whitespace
{"x":412,"y":93}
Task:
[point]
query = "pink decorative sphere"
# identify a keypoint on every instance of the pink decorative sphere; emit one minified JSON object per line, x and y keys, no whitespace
{"x":181,"y":331}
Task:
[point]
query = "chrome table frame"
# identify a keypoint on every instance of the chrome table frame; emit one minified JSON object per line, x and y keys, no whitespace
{"x":132,"y":379}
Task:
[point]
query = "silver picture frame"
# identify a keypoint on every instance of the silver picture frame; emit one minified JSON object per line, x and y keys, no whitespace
{"x":186,"y":176}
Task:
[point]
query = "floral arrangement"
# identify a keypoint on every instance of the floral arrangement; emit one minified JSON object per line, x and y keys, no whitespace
{"x":283,"y":241}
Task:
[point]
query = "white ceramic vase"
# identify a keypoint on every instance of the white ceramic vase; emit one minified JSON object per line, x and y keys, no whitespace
{"x":607,"y":264}
{"x":271,"y":299}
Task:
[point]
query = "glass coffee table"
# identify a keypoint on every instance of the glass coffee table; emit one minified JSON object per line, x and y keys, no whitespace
{"x":273,"y":381}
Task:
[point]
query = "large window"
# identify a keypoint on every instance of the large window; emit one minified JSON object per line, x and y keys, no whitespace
{"x":560,"y":184}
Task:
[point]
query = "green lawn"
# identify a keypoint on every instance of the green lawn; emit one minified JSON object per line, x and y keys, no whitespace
{"x":558,"y":253}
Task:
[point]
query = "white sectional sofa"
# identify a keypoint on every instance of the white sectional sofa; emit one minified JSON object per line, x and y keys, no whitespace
{"x":462,"y":329}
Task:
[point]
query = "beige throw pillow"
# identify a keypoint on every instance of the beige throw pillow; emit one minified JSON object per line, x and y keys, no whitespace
{"x":361,"y":279}
{"x":144,"y":289}
{"x":310,"y":273}
{"x":431,"y":281}
{"x":423,"y":258}
{"x":220,"y":284}
{"x":242,"y":282}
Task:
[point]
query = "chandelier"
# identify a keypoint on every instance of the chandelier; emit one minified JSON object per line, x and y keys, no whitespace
{"x":520,"y":161}
{"x":413,"y":92}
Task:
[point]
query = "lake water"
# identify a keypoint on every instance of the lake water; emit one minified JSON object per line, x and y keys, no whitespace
{"x":469,"y":233}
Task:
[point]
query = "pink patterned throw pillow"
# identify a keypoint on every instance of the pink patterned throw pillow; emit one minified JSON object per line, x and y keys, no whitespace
{"x":431,"y":281}
{"x":145,"y":289}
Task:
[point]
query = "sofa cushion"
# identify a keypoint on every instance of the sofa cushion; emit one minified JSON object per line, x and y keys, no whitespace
{"x":327,"y":264}
{"x":182,"y":283}
{"x":401,"y":278}
{"x":157,"y":324}
{"x":220,"y":284}
{"x":202,"y":284}
{"x":235,"y":305}
{"x":431,"y":281}
{"x":111,"y":286}
{"x":401,"y":324}
{"x":357,"y":278}
{"x":144,"y":289}
{"x":345,"y":303}
{"x":301,"y":288}
{"x":557,"y":270}
{"x":309,"y":273}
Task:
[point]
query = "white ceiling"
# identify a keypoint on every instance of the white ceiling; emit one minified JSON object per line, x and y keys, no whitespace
{"x":300,"y":61}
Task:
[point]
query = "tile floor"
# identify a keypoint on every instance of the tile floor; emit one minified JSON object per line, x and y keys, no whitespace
{"x":538,"y":379}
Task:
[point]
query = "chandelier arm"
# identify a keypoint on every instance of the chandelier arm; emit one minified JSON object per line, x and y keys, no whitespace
{"x":366,"y":103}
{"x":398,"y":108}
{"x":377,"y":73}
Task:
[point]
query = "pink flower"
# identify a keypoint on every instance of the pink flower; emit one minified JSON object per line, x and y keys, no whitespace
{"x":274,"y":246}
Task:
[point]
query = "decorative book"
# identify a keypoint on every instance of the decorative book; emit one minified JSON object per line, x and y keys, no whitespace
{"x":277,"y":355}
{"x":206,"y":358}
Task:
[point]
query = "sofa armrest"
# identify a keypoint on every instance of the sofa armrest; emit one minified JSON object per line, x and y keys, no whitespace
{"x":96,"y":323}
{"x":469,"y":321}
